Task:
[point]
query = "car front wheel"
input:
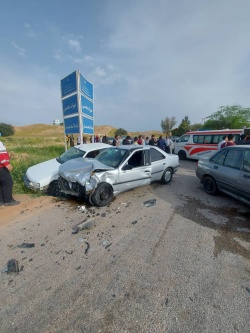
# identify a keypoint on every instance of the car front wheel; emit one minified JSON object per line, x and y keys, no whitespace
{"x":209,"y":185}
{"x":167,"y":176}
{"x":103,"y":195}
{"x":182,"y":155}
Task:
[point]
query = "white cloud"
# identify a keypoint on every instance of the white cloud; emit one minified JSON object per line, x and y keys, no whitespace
{"x":20,"y":50}
{"x":75,"y":45}
{"x":29,"y":31}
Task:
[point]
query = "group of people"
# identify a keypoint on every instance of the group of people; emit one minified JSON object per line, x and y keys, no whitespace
{"x":228,"y":140}
{"x":164,"y":144}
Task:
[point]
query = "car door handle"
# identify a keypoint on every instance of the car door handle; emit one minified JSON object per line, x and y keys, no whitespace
{"x":215,"y":167}
{"x":147,"y":171}
{"x":245,"y":176}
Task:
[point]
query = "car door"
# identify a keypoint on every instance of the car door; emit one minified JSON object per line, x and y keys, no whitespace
{"x":158,"y":164}
{"x":244,"y":179}
{"x":135,"y":171}
{"x":227,"y":175}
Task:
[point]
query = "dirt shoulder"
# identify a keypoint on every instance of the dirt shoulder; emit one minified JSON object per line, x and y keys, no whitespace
{"x":28,"y":206}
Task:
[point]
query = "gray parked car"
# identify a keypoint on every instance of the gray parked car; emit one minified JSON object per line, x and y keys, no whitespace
{"x":115,"y":170}
{"x":228,"y":171}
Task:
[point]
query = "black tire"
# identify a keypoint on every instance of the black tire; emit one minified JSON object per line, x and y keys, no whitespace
{"x":53,"y":189}
{"x":167,"y":176}
{"x":209,"y":185}
{"x":182,"y":155}
{"x":103,"y":195}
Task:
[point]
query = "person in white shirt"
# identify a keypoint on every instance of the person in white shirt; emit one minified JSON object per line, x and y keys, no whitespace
{"x":224,"y":139}
{"x":168,"y":145}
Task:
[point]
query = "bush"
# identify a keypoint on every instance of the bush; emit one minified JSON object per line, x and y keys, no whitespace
{"x":6,"y":129}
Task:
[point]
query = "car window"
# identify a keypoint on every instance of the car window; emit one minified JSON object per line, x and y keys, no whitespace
{"x":156,"y":155}
{"x":246,"y":161}
{"x":94,"y":153}
{"x":234,"y":159}
{"x":112,"y":156}
{"x":137,"y":159}
{"x":70,"y":154}
{"x":219,"y":157}
{"x":184,"y":138}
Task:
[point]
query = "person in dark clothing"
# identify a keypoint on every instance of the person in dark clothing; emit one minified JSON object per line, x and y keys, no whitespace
{"x":115,"y":141}
{"x":242,"y":140}
{"x":126,"y":141}
{"x":105,"y":139}
{"x":71,"y":141}
{"x":153,"y":141}
{"x":161,"y":143}
{"x":6,"y":181}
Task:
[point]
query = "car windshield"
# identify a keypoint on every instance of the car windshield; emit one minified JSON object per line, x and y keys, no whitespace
{"x":112,"y":157}
{"x":70,"y":154}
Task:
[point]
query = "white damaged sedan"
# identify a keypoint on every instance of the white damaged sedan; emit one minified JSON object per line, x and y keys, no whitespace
{"x":115,"y":170}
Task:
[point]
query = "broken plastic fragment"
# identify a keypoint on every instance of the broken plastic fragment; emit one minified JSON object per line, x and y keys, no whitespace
{"x":149,"y":203}
{"x":26,"y":245}
{"x":12,"y":266}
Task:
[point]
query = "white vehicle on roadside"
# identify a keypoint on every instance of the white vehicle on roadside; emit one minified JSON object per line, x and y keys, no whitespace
{"x":43,"y":176}
{"x":198,"y":143}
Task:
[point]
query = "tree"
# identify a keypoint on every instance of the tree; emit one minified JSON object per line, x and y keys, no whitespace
{"x":232,"y":117}
{"x":121,"y":131}
{"x":167,"y":124}
{"x":184,"y":126}
{"x":196,"y":127}
{"x":6,"y":129}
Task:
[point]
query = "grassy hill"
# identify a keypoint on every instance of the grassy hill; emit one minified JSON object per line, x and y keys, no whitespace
{"x":56,"y":131}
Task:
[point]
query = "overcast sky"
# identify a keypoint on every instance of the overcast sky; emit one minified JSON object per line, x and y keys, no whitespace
{"x":146,"y":59}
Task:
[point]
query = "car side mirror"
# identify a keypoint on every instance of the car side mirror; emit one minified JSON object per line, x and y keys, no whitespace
{"x":127,"y":167}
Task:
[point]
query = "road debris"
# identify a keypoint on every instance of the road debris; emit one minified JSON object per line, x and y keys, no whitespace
{"x":134,"y":222}
{"x":12,"y":267}
{"x":26,"y":245}
{"x":85,"y":225}
{"x":87,"y":248}
{"x":81,"y":208}
{"x":149,"y":203}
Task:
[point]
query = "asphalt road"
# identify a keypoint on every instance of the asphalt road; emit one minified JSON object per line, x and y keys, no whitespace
{"x":179,"y":265}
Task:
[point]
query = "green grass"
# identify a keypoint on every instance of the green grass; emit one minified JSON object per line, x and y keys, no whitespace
{"x":26,"y":152}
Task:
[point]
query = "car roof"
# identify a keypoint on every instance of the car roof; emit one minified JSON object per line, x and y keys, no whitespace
{"x":92,"y":146}
{"x":132,"y":147}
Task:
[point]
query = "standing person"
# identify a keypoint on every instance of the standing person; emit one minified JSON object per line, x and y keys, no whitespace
{"x":115,"y":141}
{"x":79,"y":140}
{"x":126,"y":141}
{"x":105,"y":139}
{"x":71,"y":141}
{"x":153,"y":141}
{"x":230,"y":141}
{"x":224,"y":140}
{"x":140,"y":140}
{"x":147,"y":141}
{"x":242,"y":140}
{"x":135,"y":140}
{"x":161,"y":143}
{"x":6,"y":181}
{"x":168,"y":145}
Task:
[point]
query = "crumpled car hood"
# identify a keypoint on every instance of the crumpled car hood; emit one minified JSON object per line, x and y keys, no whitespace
{"x":79,"y":170}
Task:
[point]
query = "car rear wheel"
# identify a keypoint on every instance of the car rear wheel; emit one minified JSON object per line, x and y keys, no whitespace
{"x":167,"y":176}
{"x":103,"y":195}
{"x":182,"y":155}
{"x":53,"y":189}
{"x":209,"y":185}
